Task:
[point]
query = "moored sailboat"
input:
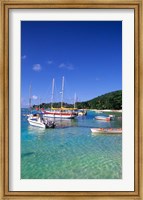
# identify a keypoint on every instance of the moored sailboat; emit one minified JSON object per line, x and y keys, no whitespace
{"x":66,"y":113}
{"x":37,"y":118}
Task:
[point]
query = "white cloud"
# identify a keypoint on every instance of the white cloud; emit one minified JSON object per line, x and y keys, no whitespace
{"x":66,"y":66}
{"x":37,"y":67}
{"x":62,"y":65}
{"x":97,"y":79}
{"x":34,"y":97}
{"x":50,"y":62}
{"x":23,"y":57}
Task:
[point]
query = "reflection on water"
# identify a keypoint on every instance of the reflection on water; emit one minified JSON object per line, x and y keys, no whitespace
{"x":27,"y":154}
{"x":71,"y":150}
{"x":106,"y":134}
{"x":64,"y":122}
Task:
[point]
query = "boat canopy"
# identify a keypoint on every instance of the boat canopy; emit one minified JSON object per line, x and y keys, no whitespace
{"x":62,"y":108}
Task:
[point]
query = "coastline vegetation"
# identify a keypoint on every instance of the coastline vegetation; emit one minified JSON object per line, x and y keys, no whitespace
{"x":111,"y":100}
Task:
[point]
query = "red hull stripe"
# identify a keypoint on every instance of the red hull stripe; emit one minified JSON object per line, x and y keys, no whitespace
{"x":52,"y":113}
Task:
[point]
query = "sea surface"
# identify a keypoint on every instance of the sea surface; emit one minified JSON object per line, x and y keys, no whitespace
{"x":71,"y":150}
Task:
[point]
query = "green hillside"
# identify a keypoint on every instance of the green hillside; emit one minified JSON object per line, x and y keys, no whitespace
{"x":112,"y":100}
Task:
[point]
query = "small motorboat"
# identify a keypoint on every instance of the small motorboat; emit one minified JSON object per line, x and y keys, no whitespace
{"x":82,"y":112}
{"x":106,"y":130}
{"x":37,"y":120}
{"x":104,"y":118}
{"x":112,"y":117}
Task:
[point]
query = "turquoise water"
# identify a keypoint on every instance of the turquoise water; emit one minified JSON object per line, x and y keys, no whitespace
{"x":70,"y":151}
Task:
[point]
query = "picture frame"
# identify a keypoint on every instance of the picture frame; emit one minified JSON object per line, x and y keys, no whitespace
{"x":5,"y":6}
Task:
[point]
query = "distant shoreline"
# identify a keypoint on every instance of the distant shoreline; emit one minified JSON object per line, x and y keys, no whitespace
{"x":96,"y":110}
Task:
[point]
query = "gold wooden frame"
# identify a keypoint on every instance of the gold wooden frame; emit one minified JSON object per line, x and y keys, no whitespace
{"x":5,"y":5}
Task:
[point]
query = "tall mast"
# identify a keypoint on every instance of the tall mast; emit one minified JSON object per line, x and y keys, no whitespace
{"x":53,"y":85}
{"x":39,"y":103}
{"x":74,"y":99}
{"x":62,"y":93}
{"x":30,"y":98}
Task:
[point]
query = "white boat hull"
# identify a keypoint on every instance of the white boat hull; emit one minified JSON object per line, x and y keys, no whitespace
{"x":36,"y":120}
{"x":35,"y":123}
{"x":60,"y":115}
{"x":102,"y":118}
{"x":106,"y":130}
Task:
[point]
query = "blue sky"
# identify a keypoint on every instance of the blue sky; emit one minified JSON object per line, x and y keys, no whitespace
{"x":87,"y":53}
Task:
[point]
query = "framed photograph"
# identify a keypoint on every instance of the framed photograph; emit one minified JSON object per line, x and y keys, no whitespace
{"x":71,"y":99}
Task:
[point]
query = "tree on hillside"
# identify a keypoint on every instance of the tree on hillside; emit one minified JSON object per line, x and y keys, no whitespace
{"x":112,"y":100}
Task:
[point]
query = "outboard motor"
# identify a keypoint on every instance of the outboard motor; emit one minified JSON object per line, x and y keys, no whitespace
{"x":50,"y":124}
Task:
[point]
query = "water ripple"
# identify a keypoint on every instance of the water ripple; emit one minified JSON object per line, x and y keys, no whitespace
{"x":70,"y":152}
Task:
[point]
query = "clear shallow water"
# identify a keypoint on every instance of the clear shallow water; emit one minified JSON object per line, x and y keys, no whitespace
{"x":70,"y":151}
